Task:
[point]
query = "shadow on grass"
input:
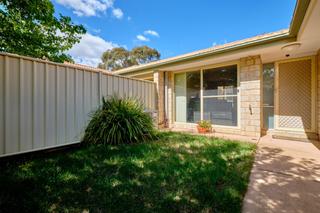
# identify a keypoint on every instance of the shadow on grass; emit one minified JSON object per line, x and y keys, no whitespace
{"x":177,"y":173}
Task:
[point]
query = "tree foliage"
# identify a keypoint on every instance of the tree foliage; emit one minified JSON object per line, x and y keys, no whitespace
{"x":118,"y":57}
{"x":144,"y":54}
{"x":115,"y":59}
{"x":29,"y":27}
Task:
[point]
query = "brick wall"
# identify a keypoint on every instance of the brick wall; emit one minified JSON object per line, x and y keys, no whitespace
{"x":159,"y":80}
{"x":318,"y":89}
{"x":250,"y":95}
{"x":170,"y":115}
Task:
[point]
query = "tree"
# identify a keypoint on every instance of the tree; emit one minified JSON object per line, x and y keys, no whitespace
{"x":144,"y":54}
{"x":29,"y":27}
{"x":115,"y":59}
{"x":119,"y":58}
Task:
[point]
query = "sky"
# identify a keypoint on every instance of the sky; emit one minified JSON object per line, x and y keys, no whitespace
{"x":173,"y":27}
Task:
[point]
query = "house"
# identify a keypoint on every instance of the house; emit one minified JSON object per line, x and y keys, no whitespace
{"x":267,"y":84}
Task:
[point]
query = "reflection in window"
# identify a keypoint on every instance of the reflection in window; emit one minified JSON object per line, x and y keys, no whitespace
{"x":268,"y":96}
{"x":221,"y":110}
{"x":193,"y":97}
{"x":220,"y":81}
{"x":220,"y":95}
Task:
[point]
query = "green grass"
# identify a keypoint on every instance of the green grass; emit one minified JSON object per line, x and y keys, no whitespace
{"x":177,"y":173}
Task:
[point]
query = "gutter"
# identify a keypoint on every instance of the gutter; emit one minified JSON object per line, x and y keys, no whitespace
{"x":299,"y":13}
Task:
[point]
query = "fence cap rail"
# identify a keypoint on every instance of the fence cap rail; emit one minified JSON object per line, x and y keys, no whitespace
{"x":70,"y":65}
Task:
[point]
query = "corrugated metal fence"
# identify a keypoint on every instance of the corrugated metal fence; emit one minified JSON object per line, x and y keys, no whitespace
{"x":45,"y":104}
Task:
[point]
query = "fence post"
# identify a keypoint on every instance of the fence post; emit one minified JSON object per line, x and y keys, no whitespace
{"x":100,"y":87}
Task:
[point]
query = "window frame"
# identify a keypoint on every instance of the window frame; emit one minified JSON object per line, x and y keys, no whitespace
{"x":263,"y":127}
{"x":202,"y":68}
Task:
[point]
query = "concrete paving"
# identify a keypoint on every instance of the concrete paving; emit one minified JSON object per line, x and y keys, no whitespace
{"x":218,"y":135}
{"x":285,"y":177}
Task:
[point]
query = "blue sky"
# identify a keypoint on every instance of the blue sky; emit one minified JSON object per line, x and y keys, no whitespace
{"x":173,"y":27}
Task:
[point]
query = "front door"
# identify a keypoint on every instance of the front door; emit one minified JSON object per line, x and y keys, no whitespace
{"x":295,"y":95}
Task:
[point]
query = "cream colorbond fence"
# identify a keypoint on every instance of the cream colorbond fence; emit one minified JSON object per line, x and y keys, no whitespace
{"x":45,"y":104}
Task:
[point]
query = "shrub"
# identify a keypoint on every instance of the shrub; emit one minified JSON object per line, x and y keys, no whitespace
{"x":205,"y":124}
{"x":119,"y":121}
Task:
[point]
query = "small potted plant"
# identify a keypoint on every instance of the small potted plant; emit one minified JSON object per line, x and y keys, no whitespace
{"x":204,"y":126}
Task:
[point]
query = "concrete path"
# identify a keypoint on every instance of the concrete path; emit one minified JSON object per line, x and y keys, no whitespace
{"x":285,"y":177}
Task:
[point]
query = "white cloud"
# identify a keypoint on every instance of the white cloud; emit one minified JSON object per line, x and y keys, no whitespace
{"x":142,"y":38}
{"x":117,"y":12}
{"x":224,"y":41}
{"x":96,"y":30}
{"x":90,"y":49}
{"x":88,"y":7}
{"x":151,"y":32}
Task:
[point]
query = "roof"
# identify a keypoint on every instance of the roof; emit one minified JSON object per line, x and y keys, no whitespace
{"x":207,"y":51}
{"x":299,"y":13}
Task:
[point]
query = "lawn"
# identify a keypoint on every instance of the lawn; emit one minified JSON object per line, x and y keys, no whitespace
{"x":177,"y":173}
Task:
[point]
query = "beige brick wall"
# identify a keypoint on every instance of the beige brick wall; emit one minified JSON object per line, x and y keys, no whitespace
{"x":318,"y":89}
{"x":250,"y":96}
{"x":193,"y":128}
{"x":170,"y":115}
{"x":159,"y":80}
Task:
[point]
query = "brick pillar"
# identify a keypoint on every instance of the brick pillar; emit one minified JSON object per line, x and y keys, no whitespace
{"x":170,"y":99}
{"x":159,"y":80}
{"x":251,"y":96}
{"x":318,"y":89}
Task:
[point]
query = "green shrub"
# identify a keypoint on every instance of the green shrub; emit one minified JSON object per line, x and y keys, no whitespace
{"x":118,"y":121}
{"x":205,"y":124}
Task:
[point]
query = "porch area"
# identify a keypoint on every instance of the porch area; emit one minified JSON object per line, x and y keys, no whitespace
{"x":251,"y":97}
{"x":285,"y":176}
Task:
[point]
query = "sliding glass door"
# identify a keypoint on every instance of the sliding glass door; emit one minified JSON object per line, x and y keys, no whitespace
{"x":219,"y":96}
{"x":181,"y":97}
{"x":187,"y":100}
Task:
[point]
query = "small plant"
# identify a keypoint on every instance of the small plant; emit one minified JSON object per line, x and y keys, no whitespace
{"x":204,"y":126}
{"x":119,"y":121}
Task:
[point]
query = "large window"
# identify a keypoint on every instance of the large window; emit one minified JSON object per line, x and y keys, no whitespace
{"x":187,"y":90}
{"x":220,"y":96}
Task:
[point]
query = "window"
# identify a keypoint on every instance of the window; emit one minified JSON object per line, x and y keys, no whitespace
{"x":220,"y":81}
{"x":268,"y":96}
{"x":220,"y":96}
{"x":187,"y":91}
